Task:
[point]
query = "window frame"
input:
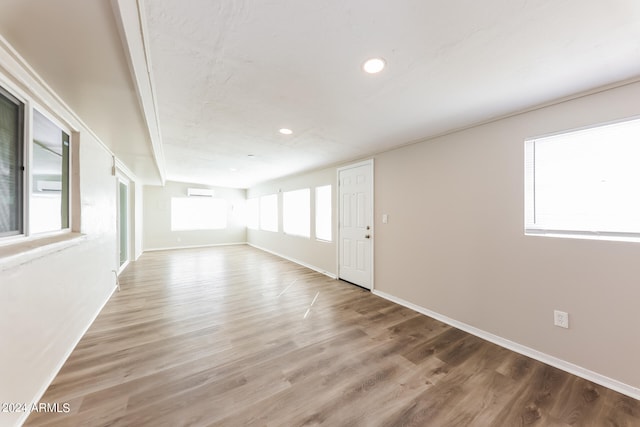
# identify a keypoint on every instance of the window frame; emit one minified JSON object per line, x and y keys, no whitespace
{"x":29,"y":104}
{"x":534,"y":228}
{"x":20,"y":165}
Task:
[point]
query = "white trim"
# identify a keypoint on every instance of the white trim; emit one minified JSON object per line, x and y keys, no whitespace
{"x":62,"y":361}
{"x":297,"y":261}
{"x":569,"y":367}
{"x":369,"y":162}
{"x":131,"y":21}
{"x":173,"y":248}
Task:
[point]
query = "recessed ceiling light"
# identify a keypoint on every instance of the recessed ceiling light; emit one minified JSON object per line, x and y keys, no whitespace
{"x":286,"y":131}
{"x":374,"y":65}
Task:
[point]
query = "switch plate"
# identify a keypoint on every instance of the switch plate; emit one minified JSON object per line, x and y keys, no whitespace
{"x":561,"y":319}
{"x":385,"y":218}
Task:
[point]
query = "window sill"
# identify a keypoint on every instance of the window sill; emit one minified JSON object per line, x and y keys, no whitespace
{"x":21,"y":252}
{"x":585,"y":235}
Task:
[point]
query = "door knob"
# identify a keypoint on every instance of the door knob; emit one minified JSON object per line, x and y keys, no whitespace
{"x":367,"y":236}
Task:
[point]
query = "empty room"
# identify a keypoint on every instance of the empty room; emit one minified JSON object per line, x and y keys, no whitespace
{"x":288,"y":213}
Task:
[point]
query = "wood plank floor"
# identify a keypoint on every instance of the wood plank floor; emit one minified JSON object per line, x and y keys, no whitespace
{"x":232,"y":336}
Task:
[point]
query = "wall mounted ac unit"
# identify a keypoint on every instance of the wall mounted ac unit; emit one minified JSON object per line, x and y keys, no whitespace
{"x":200,"y":192}
{"x":48,"y":186}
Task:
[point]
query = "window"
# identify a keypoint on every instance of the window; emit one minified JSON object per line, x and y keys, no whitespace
{"x":49,"y":202}
{"x":585,"y":183}
{"x":269,"y":213}
{"x":198,"y":213}
{"x":34,"y":176}
{"x":296,"y":212}
{"x":11,"y":125}
{"x":253,"y":213}
{"x":323,"y":213}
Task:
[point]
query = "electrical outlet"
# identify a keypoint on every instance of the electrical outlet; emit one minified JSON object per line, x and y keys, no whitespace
{"x":561,"y":319}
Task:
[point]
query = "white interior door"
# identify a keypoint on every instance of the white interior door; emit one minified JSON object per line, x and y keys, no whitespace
{"x":355,"y":228}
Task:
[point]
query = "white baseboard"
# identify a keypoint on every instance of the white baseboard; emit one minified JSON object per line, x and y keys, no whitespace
{"x":62,"y":361}
{"x":171,"y":248}
{"x":579,"y":371}
{"x":297,"y":261}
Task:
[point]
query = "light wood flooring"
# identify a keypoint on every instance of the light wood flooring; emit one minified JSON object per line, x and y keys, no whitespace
{"x":232,"y":336}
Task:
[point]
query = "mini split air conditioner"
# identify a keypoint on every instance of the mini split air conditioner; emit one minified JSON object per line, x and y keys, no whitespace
{"x":48,"y":186}
{"x":200,"y":192}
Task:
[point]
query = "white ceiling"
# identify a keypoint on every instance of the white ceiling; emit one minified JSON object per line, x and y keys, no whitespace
{"x":228,"y":74}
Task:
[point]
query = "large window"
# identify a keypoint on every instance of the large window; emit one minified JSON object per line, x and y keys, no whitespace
{"x":198,"y":213}
{"x":11,"y":125}
{"x":323,"y":213}
{"x":296,"y":212}
{"x":269,"y":212}
{"x":585,"y":183}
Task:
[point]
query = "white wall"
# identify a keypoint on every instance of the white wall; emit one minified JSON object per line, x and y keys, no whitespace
{"x":157,"y":218}
{"x":455,"y":244}
{"x":319,"y":255}
{"x":48,"y":301}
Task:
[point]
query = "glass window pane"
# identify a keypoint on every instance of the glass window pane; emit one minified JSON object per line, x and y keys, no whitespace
{"x":11,"y":119}
{"x":269,"y":212}
{"x":296,"y":212}
{"x":198,"y":213}
{"x":323,"y":213}
{"x":253,"y":213}
{"x":585,"y":181}
{"x":49,"y":203}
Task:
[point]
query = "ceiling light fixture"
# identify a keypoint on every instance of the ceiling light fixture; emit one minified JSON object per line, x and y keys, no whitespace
{"x":374,"y":65}
{"x":286,"y":131}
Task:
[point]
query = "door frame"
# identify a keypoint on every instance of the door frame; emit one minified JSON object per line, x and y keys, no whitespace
{"x":370,"y":163}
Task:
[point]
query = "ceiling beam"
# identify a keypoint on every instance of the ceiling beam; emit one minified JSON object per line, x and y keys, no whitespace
{"x":131,"y":22}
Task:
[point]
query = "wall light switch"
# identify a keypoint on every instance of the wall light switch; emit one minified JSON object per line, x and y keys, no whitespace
{"x":385,"y":218}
